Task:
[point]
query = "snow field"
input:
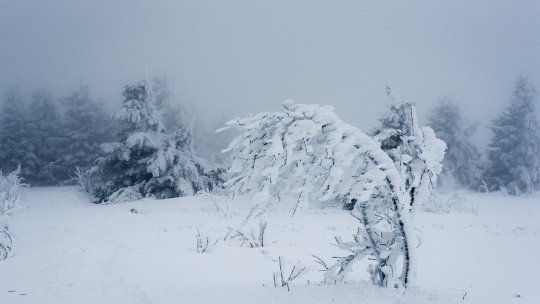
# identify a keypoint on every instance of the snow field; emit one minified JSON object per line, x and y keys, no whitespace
{"x":70,"y":251}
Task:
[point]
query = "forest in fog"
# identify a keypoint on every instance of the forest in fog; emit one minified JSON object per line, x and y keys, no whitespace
{"x":53,"y":140}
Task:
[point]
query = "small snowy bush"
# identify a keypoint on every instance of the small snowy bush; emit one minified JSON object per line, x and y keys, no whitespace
{"x":5,"y":243}
{"x":254,"y":238}
{"x":454,"y":203}
{"x":203,"y":242}
{"x":82,"y":179}
{"x":11,"y":188}
{"x":308,"y":152}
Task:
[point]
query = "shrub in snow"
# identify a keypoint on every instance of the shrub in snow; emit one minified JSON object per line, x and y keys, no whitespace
{"x":307,"y":151}
{"x":254,"y":238}
{"x":456,"y":202}
{"x":514,"y":151}
{"x":416,"y":152}
{"x":82,"y":179}
{"x":203,"y":242}
{"x":5,"y":244}
{"x":149,"y":161}
{"x":11,"y":187}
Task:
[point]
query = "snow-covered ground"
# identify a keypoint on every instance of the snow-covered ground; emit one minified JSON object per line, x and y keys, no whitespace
{"x":70,"y":251}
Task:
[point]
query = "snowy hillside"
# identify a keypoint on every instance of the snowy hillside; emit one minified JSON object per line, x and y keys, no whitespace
{"x":71,"y":251}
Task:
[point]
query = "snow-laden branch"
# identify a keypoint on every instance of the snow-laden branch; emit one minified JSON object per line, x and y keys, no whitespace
{"x":416,"y":152}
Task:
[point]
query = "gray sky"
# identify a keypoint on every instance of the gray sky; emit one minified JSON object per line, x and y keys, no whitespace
{"x":235,"y":57}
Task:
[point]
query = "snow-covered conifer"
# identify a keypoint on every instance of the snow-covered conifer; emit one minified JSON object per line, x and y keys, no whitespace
{"x":308,"y":152}
{"x":85,"y":126}
{"x":514,"y":151}
{"x":16,"y":148}
{"x":462,"y":160}
{"x":148,"y":160}
{"x":45,"y":135}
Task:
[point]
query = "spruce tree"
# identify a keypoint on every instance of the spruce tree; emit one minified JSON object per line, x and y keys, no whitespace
{"x":148,"y":160}
{"x":85,"y":126}
{"x":514,"y":151}
{"x":45,"y":132}
{"x":462,"y":161}
{"x":16,"y":149}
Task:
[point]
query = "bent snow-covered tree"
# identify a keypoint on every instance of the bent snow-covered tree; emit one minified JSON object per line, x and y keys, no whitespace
{"x":307,"y":151}
{"x":416,"y":152}
{"x":149,"y":161}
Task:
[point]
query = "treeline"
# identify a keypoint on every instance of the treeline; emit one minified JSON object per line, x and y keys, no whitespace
{"x":511,"y":162}
{"x":55,"y":140}
{"x":48,"y":138}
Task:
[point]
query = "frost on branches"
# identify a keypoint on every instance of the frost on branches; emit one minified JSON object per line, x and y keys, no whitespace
{"x":307,"y":151}
{"x":416,"y":152}
{"x":149,"y":161}
{"x":11,"y":187}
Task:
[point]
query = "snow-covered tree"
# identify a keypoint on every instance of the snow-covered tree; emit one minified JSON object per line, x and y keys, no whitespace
{"x":85,"y":127}
{"x":16,"y":149}
{"x":416,"y":152}
{"x":206,"y":142}
{"x":45,"y":135}
{"x":308,"y":152}
{"x":148,"y":160}
{"x":514,"y":151}
{"x":462,"y":161}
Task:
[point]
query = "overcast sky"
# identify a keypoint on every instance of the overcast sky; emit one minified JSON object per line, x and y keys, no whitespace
{"x":235,"y":57}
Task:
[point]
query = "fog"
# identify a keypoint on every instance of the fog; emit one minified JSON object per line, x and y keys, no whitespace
{"x":230,"y":58}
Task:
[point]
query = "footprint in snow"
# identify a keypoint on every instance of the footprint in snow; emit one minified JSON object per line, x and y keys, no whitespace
{"x":20,"y":294}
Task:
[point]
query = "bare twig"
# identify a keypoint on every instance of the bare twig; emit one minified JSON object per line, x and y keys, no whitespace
{"x":202,"y":242}
{"x":253,"y":239}
{"x":321,"y":262}
{"x":279,"y":277}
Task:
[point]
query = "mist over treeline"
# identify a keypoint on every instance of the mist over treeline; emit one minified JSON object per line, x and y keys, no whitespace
{"x":66,"y":66}
{"x":231,"y":59}
{"x":51,"y":137}
{"x":54,"y":139}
